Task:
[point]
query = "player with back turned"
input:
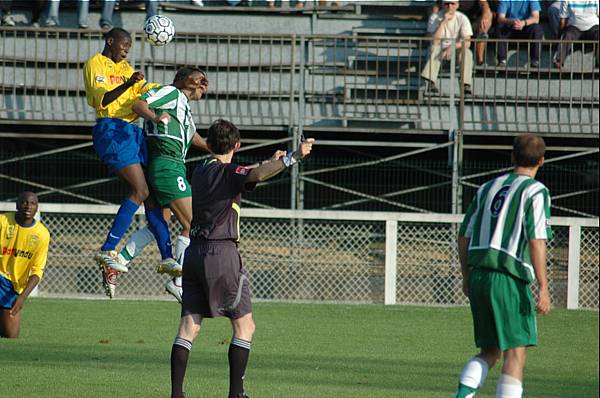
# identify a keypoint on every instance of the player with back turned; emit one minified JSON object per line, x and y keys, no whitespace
{"x":502,"y":249}
{"x":112,"y":87}
{"x":214,"y":281}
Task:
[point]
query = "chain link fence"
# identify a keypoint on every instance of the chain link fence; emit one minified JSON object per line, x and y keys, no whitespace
{"x":588,"y":277}
{"x":313,"y":256}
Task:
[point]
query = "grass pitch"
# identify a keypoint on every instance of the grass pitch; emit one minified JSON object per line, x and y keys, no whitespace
{"x":77,"y":348}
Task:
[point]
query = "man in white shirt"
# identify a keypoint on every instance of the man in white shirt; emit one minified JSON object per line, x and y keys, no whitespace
{"x":578,"y":21}
{"x":444,"y":26}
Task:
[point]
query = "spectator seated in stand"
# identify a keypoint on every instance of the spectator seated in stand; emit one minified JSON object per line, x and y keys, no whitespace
{"x":444,"y":26}
{"x":578,"y":21}
{"x":108,"y":7}
{"x":82,"y":12}
{"x":481,"y":14}
{"x":551,"y":9}
{"x":35,"y":6}
{"x":519,"y":20}
{"x":299,"y":4}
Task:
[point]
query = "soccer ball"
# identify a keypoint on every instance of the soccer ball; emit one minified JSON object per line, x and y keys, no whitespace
{"x":159,"y":30}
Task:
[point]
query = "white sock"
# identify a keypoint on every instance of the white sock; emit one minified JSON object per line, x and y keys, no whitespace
{"x":177,"y":281}
{"x":509,"y":387}
{"x":181,"y":244}
{"x":474,"y":373}
{"x":136,"y":244}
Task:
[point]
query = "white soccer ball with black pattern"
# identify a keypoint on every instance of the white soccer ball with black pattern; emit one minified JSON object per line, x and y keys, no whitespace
{"x":159,"y":30}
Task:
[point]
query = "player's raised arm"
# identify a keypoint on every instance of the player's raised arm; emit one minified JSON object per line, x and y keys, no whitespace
{"x":199,"y":143}
{"x":270,"y":169}
{"x":142,"y":108}
{"x":119,"y":90}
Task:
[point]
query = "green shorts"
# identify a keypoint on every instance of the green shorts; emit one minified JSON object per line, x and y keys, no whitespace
{"x":167,"y":180}
{"x":503,"y":310}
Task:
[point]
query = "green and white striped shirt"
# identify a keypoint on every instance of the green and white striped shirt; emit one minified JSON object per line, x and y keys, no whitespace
{"x":504,"y":216}
{"x":174,"y":139}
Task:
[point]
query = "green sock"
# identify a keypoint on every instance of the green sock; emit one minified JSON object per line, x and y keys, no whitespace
{"x":465,"y":392}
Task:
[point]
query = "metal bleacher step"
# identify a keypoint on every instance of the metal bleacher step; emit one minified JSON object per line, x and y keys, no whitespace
{"x":404,"y":62}
{"x":391,"y":94}
{"x":403,"y":29}
{"x":406,"y":117}
{"x":406,"y":7}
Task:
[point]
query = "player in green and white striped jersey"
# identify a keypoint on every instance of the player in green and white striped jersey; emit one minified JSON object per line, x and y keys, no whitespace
{"x":502,"y":248}
{"x":170,"y":132}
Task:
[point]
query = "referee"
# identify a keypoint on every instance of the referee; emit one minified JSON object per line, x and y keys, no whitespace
{"x":214,"y":280}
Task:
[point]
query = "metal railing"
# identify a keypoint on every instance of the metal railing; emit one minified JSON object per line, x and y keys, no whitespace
{"x":333,"y":256}
{"x":366,"y":88}
{"x":295,"y":81}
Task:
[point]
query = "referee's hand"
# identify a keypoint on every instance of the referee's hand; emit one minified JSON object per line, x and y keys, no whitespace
{"x":304,"y":148}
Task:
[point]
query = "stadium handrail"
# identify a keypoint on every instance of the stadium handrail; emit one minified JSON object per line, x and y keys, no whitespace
{"x":345,"y":215}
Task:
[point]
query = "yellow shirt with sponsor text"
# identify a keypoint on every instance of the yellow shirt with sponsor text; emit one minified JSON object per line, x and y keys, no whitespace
{"x":23,"y":250}
{"x":101,"y":75}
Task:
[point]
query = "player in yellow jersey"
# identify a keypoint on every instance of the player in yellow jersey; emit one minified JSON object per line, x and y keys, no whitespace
{"x":112,"y":87}
{"x":23,"y":252}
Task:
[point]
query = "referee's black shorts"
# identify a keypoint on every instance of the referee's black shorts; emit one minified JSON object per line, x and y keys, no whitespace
{"x":214,"y":280}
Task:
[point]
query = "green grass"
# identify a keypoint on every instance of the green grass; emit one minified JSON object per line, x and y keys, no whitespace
{"x":76,"y":348}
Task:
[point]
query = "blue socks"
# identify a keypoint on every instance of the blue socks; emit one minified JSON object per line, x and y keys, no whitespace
{"x":159,"y":228}
{"x":120,"y":225}
{"x":156,"y":223}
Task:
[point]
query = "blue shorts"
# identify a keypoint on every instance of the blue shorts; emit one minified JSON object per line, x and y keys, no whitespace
{"x":119,"y":143}
{"x":7,"y":293}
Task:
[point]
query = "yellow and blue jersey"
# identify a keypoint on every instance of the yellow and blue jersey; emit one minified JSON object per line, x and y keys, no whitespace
{"x":102,"y":75}
{"x":23,"y":250}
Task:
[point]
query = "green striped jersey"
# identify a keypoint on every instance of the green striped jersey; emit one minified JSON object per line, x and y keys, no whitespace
{"x":174,"y":139}
{"x":505,"y":214}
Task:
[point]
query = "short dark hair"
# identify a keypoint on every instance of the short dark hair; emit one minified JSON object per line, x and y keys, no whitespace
{"x":26,"y":194}
{"x":185,"y":71}
{"x":116,"y":33}
{"x":528,"y":150}
{"x":222,"y":136}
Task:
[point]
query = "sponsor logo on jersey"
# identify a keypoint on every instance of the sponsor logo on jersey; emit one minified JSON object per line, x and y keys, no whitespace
{"x":100,"y":79}
{"x":33,"y":241}
{"x":10,"y":231}
{"x":13,"y":251}
{"x":242,"y":170}
{"x":117,"y":79}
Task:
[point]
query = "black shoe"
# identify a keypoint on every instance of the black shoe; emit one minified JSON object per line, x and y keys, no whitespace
{"x":467,"y":89}
{"x":535,"y":64}
{"x":432,"y":88}
{"x":502,"y":63}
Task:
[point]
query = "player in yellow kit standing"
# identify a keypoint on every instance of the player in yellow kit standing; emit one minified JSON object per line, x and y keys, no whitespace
{"x":23,"y":251}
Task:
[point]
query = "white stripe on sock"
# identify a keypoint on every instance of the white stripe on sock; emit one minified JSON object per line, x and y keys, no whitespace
{"x":241,"y":343}
{"x":183,"y":343}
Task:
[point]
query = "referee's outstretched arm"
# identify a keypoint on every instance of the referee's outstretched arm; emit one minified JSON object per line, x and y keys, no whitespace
{"x":273,"y":167}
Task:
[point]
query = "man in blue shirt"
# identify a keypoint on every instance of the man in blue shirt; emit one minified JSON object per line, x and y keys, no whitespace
{"x":519,"y":20}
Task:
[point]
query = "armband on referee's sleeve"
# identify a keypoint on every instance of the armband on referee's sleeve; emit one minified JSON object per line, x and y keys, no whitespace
{"x":289,"y":159}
